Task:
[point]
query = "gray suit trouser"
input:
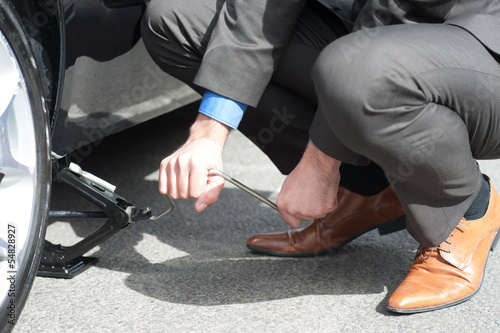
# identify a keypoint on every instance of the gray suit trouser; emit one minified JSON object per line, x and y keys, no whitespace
{"x":423,"y":102}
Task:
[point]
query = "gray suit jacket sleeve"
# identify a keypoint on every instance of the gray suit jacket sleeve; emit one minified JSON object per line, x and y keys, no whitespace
{"x":245,"y":46}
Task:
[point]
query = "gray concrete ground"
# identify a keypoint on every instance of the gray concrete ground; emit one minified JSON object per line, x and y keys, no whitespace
{"x":191,"y":272}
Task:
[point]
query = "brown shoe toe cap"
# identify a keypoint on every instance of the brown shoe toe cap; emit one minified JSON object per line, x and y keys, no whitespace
{"x":276,"y":242}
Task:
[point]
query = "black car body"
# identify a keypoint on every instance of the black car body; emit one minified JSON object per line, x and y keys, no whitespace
{"x":99,"y":78}
{"x":71,"y":73}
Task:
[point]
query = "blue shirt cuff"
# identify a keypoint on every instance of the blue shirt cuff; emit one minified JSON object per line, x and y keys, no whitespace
{"x":311,"y":141}
{"x":222,"y":109}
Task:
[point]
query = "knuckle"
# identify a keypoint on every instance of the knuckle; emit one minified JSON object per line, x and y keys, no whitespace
{"x":164,"y":164}
{"x":280,"y":204}
{"x":197,"y":161}
{"x":330,"y":207}
{"x":294,"y":211}
{"x":183,"y":159}
{"x":169,"y":165}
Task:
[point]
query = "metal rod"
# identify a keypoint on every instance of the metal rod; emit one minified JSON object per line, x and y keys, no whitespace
{"x":243,"y":187}
{"x":171,"y":207}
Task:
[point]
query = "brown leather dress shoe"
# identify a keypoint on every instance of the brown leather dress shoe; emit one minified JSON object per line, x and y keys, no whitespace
{"x":355,"y":215}
{"x":452,"y":272}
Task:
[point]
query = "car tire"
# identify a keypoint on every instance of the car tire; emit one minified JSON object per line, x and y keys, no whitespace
{"x":25,"y":167}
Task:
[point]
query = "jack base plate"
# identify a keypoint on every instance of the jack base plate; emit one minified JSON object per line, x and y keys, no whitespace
{"x":69,"y":271}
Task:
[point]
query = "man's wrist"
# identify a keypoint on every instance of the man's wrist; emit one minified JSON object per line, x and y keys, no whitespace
{"x":317,"y":158}
{"x":205,"y":127}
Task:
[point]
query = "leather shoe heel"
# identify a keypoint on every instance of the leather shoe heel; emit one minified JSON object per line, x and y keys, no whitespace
{"x":392,"y":226}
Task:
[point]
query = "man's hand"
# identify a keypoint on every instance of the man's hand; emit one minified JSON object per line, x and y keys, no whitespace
{"x":184,"y":174}
{"x":310,"y":191}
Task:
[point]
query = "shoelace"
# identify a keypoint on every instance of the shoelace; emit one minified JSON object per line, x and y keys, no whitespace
{"x":422,"y":249}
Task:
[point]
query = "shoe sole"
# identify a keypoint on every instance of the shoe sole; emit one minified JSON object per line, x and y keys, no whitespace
{"x":385,"y":228}
{"x":447,"y":305}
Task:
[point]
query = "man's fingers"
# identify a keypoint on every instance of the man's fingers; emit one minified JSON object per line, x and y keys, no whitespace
{"x":198,"y":182}
{"x":212,"y":193}
{"x":163,"y":177}
{"x":162,"y":182}
{"x":293,"y":215}
{"x":291,"y":220}
{"x":294,"y":218}
{"x":182,"y":174}
{"x":172,"y":181}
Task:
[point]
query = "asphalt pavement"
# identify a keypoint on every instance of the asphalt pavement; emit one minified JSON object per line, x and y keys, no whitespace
{"x":191,"y":272}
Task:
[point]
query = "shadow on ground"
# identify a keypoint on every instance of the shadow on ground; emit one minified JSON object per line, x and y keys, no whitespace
{"x":212,"y":265}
